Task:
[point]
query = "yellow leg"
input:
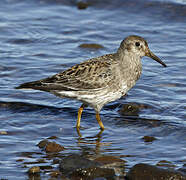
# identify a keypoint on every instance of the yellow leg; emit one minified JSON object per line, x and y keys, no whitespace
{"x":79,"y":116}
{"x":99,"y":121}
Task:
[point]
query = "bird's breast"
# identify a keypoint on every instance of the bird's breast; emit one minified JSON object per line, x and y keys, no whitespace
{"x":131,"y":71}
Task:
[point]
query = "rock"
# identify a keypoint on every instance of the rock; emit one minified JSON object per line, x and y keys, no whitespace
{"x":19,"y":160}
{"x":148,"y":138}
{"x":130,"y":110}
{"x":79,"y":167}
{"x":82,"y":5}
{"x":149,"y":172}
{"x":112,"y":162}
{"x":43,"y":143}
{"x":50,"y":146}
{"x":74,"y":162}
{"x":94,"y":172}
{"x":34,"y":170}
{"x":53,"y":147}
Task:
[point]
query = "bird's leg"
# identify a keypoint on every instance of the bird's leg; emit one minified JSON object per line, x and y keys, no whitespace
{"x":99,"y":121}
{"x":79,"y":116}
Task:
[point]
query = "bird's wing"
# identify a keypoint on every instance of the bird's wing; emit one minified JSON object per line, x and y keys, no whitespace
{"x":93,"y":74}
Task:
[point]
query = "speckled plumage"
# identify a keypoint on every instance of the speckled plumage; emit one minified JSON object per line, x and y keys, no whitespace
{"x":100,"y":80}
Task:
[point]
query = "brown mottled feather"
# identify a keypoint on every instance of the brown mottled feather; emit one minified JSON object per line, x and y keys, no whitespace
{"x":92,"y":74}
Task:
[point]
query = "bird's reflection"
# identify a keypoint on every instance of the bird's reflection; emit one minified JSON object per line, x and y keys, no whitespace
{"x":92,"y":140}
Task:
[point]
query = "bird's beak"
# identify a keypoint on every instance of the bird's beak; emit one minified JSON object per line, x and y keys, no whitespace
{"x":153,"y":56}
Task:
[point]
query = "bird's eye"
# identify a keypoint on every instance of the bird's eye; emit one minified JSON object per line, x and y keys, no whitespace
{"x":137,"y":44}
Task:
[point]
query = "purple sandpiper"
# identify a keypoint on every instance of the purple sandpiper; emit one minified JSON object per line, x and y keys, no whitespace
{"x":99,"y":80}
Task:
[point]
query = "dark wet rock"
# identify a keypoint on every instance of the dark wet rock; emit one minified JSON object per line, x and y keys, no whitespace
{"x":129,"y":110}
{"x":93,"y":46}
{"x":74,"y":162}
{"x":112,"y":162}
{"x":149,"y":138}
{"x":53,"y":147}
{"x":94,"y":172}
{"x":132,"y":109}
{"x":43,"y":143}
{"x":82,"y":5}
{"x":76,"y":166}
{"x":34,"y":170}
{"x":149,"y":172}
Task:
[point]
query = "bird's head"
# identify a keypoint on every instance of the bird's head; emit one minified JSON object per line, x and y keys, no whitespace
{"x":137,"y":46}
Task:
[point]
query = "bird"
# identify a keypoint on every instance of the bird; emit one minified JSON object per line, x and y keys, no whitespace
{"x":100,"y":80}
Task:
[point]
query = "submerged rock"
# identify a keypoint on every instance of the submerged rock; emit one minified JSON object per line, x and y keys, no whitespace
{"x":149,"y":172}
{"x":149,"y":138}
{"x":130,"y":109}
{"x":91,"y":46}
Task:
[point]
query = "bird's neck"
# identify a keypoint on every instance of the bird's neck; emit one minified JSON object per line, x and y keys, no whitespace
{"x":129,"y":59}
{"x":130,"y":67}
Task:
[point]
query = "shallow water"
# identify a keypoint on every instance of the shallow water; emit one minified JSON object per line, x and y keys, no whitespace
{"x":41,"y":38}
